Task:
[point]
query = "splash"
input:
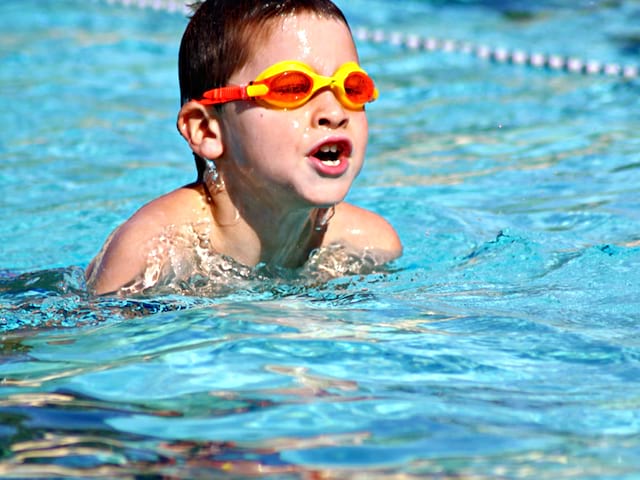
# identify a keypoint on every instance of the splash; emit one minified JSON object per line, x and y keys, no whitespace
{"x":183,"y":262}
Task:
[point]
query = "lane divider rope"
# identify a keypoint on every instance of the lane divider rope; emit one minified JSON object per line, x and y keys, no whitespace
{"x":171,"y":6}
{"x":500,"y":55}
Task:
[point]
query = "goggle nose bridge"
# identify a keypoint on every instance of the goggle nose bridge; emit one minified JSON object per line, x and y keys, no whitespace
{"x":320,"y":82}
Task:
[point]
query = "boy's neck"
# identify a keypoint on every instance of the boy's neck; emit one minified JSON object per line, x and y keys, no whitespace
{"x":266,"y":234}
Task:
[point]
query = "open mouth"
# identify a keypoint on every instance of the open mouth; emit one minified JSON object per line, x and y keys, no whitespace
{"x":331,"y":154}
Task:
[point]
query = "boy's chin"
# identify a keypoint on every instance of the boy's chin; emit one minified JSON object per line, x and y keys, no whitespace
{"x":326,"y":201}
{"x":327,"y":194}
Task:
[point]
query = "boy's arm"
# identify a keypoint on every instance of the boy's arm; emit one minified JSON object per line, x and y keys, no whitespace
{"x":122,"y":259}
{"x":126,"y":252}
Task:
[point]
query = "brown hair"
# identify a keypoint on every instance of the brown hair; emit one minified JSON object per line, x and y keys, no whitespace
{"x":223,"y":34}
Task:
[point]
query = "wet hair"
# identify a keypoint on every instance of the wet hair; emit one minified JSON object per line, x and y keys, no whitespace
{"x":222,"y":35}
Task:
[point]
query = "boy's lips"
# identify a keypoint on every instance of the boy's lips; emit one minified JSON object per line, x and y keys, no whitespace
{"x":331,"y":156}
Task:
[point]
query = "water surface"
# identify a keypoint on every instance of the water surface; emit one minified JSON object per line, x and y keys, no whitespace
{"x":503,"y":344}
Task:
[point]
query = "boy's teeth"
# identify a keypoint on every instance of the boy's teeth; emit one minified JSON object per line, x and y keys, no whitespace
{"x":329,"y":148}
{"x":331,"y":163}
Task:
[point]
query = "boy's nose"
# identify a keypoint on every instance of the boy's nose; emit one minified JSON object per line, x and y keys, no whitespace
{"x":328,"y":111}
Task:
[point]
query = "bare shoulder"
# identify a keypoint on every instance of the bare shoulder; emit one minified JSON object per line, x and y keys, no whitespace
{"x":125,"y":253}
{"x":364,"y":230}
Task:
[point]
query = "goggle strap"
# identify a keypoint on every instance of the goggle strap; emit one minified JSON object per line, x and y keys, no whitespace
{"x":224,"y":94}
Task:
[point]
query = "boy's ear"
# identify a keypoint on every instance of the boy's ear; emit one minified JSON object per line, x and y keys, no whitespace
{"x":200,"y":129}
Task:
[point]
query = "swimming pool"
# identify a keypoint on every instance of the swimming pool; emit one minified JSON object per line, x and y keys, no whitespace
{"x":503,"y":344}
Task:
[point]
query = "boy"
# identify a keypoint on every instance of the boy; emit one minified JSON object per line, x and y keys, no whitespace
{"x":273,"y":110}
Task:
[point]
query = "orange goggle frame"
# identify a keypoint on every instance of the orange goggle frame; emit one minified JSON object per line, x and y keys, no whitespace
{"x":290,"y":84}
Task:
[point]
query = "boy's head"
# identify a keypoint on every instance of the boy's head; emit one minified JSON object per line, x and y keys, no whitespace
{"x":222,"y":36}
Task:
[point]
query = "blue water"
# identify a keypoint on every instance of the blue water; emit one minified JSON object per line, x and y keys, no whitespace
{"x":503,"y":344}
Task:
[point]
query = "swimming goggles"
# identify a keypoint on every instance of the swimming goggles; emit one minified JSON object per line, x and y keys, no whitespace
{"x":290,"y":84}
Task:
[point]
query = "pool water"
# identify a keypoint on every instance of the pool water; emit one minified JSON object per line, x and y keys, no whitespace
{"x":503,"y":343}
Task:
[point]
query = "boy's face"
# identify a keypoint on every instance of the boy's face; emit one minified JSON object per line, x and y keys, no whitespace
{"x":306,"y":156}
